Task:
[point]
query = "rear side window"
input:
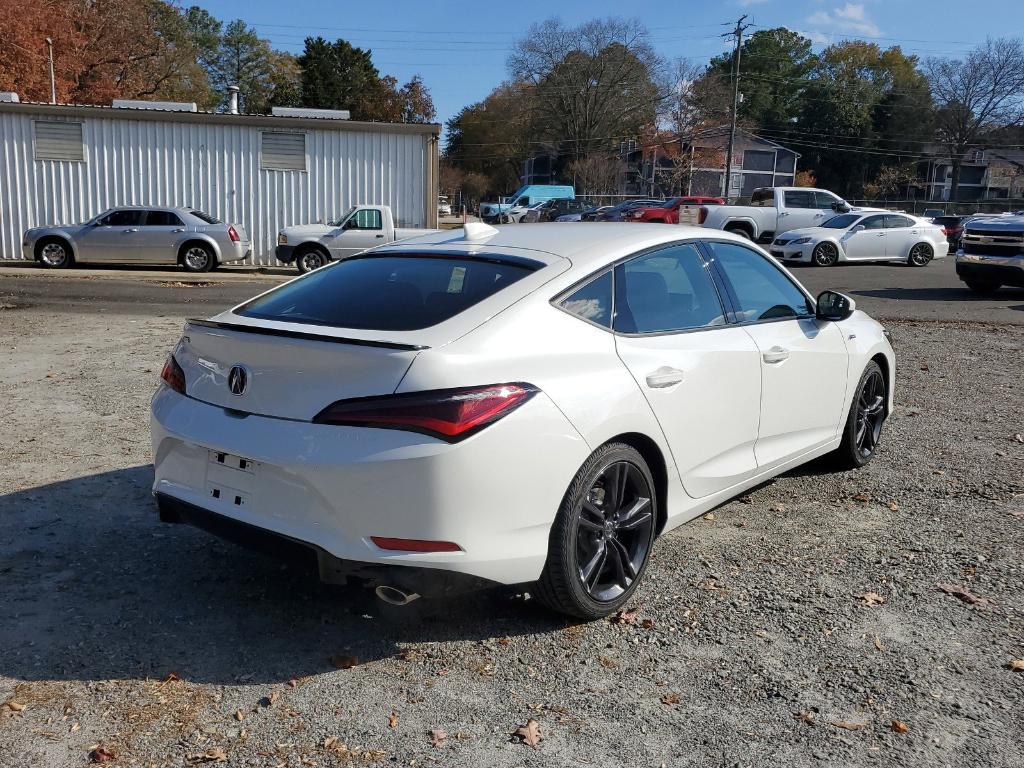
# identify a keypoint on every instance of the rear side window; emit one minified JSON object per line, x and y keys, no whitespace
{"x":162,"y":219}
{"x":387,"y":293}
{"x":668,"y":290}
{"x":799,"y":199}
{"x":899,"y":222}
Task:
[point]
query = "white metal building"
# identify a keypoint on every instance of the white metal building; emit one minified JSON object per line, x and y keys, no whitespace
{"x":62,"y":164}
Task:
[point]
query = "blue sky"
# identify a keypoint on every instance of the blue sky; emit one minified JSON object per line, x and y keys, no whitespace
{"x":460,"y":48}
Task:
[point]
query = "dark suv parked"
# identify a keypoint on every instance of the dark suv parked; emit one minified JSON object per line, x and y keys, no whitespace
{"x":552,"y":209}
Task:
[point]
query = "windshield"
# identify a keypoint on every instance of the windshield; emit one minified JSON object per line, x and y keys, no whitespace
{"x":842,"y":221}
{"x":387,"y":293}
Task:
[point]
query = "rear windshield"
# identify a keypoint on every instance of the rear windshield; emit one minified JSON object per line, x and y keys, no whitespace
{"x":206,"y":217}
{"x":388,"y":293}
{"x":947,"y":221}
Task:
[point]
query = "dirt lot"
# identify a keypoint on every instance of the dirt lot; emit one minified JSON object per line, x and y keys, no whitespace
{"x":793,"y":627}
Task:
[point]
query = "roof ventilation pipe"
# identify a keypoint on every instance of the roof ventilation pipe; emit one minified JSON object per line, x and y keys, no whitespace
{"x":233,"y":99}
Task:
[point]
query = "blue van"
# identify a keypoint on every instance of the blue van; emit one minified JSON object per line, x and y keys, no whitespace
{"x":528,"y":194}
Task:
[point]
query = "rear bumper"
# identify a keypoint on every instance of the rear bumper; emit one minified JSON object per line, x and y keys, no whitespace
{"x":1005,"y":270}
{"x":236,"y":251}
{"x":333,"y":488}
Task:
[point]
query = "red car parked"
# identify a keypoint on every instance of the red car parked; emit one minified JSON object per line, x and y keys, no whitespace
{"x":668,"y":212}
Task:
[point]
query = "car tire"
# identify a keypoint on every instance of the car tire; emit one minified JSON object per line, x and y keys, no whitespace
{"x":825,"y":254}
{"x":310,"y":259}
{"x":920,"y":255}
{"x":741,"y":231}
{"x":982,"y":286}
{"x":867,"y":412}
{"x":54,"y":253}
{"x":600,"y":544}
{"x":196,"y":257}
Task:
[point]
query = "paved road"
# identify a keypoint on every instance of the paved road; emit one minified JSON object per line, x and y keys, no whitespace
{"x":884,"y":290}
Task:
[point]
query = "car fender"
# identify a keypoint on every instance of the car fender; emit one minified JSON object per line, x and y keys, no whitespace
{"x":746,"y":220}
{"x":66,"y":233}
{"x":203,"y":237}
{"x":865,"y":339}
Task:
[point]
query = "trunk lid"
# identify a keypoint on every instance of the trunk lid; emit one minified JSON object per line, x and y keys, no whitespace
{"x":287,"y":374}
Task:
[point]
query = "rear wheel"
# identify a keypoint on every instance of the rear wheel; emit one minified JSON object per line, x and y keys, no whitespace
{"x":982,"y":286}
{"x":741,"y":231}
{"x":54,"y":253}
{"x":602,"y":537}
{"x":863,"y":429}
{"x":920,"y":255}
{"x":310,"y":259}
{"x":197,"y":258}
{"x":825,"y":254}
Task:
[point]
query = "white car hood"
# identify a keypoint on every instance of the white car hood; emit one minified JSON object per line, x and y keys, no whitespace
{"x":812,"y":232}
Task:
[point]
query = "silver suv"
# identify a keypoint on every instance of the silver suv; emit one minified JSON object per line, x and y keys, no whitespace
{"x":991,"y":252}
{"x":140,"y":235}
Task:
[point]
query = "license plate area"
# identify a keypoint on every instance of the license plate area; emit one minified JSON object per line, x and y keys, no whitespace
{"x":231,"y":479}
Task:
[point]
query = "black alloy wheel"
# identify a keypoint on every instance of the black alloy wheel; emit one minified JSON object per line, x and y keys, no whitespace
{"x":920,"y":255}
{"x":825,"y":254}
{"x":870,"y":413}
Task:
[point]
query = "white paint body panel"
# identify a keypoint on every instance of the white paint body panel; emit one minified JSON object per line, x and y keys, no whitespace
{"x":497,"y":493}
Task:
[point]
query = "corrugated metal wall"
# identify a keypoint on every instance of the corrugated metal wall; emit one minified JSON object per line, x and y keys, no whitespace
{"x":214,"y":167}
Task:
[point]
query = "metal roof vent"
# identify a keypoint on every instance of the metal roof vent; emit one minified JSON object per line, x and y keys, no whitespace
{"x":162,"y":106}
{"x":324,"y":114}
{"x":477,"y":230}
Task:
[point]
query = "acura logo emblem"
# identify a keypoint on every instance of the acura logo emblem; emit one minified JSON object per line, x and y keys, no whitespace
{"x":238,"y":380}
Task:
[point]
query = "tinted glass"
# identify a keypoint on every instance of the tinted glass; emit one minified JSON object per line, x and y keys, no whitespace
{"x":206,"y":217}
{"x":841,"y":221}
{"x":898,"y":222}
{"x":799,"y":200}
{"x":824,"y":200}
{"x":762,"y":290}
{"x":669,"y":290}
{"x":162,"y":219}
{"x":593,"y":301}
{"x":387,"y":293}
{"x":123,"y":218}
{"x":763,"y":198}
{"x":874,"y":222}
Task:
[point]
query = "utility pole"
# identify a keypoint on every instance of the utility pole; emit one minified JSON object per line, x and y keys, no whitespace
{"x":53,"y":80}
{"x":737,"y":33}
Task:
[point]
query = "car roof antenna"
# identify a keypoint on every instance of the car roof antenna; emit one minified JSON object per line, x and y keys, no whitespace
{"x":476,"y":230}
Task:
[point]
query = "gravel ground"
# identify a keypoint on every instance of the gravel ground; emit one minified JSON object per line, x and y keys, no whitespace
{"x":793,"y":627}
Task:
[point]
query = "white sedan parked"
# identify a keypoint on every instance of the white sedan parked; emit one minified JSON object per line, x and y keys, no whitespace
{"x":513,"y":405}
{"x":864,"y":236}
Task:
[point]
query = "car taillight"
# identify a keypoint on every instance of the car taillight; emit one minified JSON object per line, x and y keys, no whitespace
{"x":233,"y":234}
{"x":702,"y":215}
{"x":947,"y":230}
{"x":448,"y":414}
{"x":173,"y":376}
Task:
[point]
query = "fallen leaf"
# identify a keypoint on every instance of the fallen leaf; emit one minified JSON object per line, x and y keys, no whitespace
{"x":898,"y":726}
{"x":1019,"y":437}
{"x":670,"y":698}
{"x":212,"y":755}
{"x":100,"y":754}
{"x":293,"y":683}
{"x":1016,"y":665}
{"x":745,"y":500}
{"x":608,"y":663}
{"x":393,"y":720}
{"x":14,"y":706}
{"x":777,"y":508}
{"x":75,"y":726}
{"x":871,"y":598}
{"x":438,"y":737}
{"x":804,"y":716}
{"x":878,"y":644}
{"x":270,"y":698}
{"x":862,"y":497}
{"x":924,"y":367}
{"x":1017,"y":512}
{"x":503,"y":641}
{"x":330,"y":741}
{"x":239,"y":715}
{"x":894,"y":507}
{"x":847,"y":725}
{"x":344,"y":662}
{"x":647,"y":623}
{"x":623,"y":617}
{"x":710,"y":516}
{"x":529,"y":734}
{"x":964,"y":594}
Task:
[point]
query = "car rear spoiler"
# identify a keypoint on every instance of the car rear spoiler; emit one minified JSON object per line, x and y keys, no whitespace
{"x":268,"y":331}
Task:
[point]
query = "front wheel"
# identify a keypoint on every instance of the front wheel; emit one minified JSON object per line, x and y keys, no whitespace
{"x":54,"y":254}
{"x":309,"y":260}
{"x":602,"y":537}
{"x":825,"y":254}
{"x":920,"y":255}
{"x":863,"y":429}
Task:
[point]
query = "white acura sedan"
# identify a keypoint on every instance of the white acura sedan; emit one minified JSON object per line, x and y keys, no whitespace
{"x":511,"y":405}
{"x":864,"y":236}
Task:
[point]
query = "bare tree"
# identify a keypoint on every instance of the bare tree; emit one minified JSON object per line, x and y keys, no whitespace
{"x":595,"y":83}
{"x":595,"y":174}
{"x":976,"y":94}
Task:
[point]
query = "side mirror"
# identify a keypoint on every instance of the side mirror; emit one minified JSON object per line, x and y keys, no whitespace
{"x":858,"y":228}
{"x":834,"y":306}
{"x":840,"y":206}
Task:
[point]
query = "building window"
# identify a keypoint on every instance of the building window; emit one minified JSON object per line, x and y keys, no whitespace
{"x":283,"y":151}
{"x":59,"y":141}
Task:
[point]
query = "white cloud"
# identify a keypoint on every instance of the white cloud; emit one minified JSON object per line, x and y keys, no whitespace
{"x":849,"y":19}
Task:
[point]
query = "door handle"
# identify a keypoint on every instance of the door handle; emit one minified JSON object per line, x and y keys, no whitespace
{"x":775,"y":355}
{"x":127,"y":231}
{"x":378,"y":236}
{"x":783,"y":213}
{"x":177,"y":231}
{"x":664,"y":377}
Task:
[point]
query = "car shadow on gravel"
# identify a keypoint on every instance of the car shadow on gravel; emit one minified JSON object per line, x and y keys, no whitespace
{"x":941,"y":294}
{"x":94,"y":587}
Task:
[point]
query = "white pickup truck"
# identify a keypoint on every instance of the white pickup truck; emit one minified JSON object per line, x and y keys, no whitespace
{"x":774,"y":210}
{"x":311,"y":246}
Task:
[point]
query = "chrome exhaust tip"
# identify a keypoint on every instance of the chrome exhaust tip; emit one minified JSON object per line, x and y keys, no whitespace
{"x":394,"y":595}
